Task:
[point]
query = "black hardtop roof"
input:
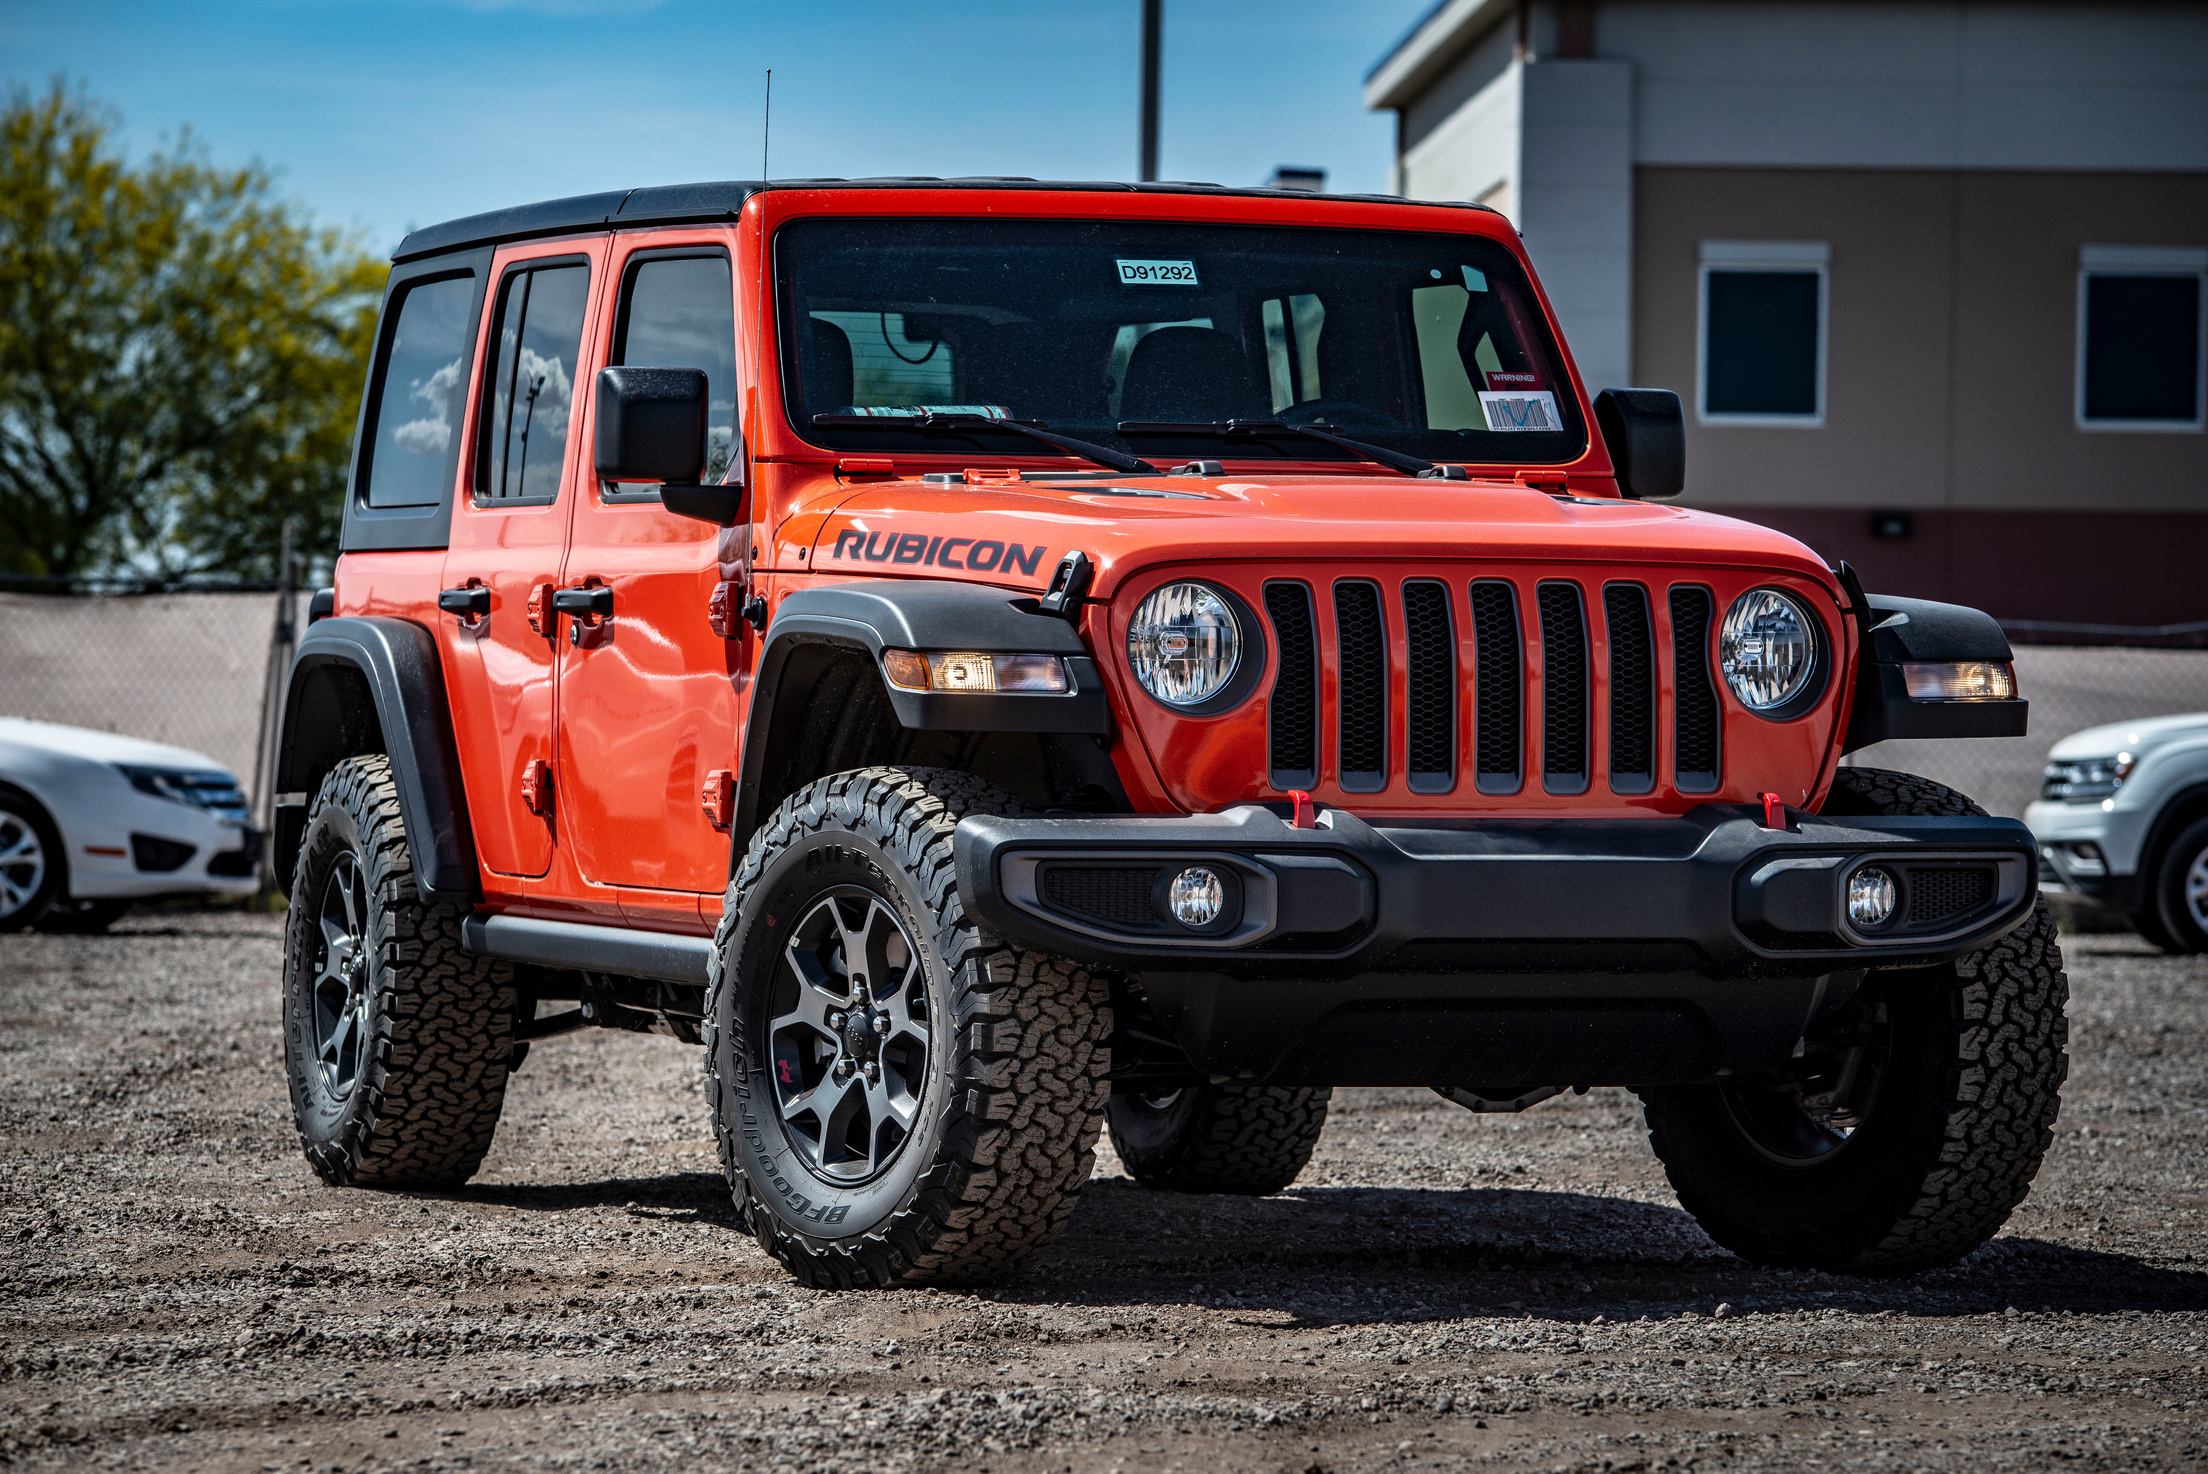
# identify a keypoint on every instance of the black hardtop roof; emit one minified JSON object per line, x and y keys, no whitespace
{"x":679,"y":204}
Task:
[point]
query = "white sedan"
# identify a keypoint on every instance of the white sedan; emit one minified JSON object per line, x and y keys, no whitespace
{"x":90,"y":822}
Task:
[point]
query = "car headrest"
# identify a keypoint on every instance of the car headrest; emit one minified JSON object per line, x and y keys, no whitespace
{"x":827,"y":369}
{"x":1190,"y":373}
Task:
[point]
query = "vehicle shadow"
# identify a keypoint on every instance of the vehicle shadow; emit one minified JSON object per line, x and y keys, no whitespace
{"x":1356,"y":1255}
{"x":1388,"y":1255}
{"x":673,"y":1197}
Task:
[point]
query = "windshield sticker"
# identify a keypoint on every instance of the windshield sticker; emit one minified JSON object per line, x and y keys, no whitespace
{"x":1535,"y":411}
{"x":1505,"y":383}
{"x":915,"y":411}
{"x":1156,"y":273}
{"x":1475,"y":280}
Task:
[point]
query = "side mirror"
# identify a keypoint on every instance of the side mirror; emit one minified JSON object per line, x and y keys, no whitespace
{"x":1646,"y":432}
{"x":651,"y":427}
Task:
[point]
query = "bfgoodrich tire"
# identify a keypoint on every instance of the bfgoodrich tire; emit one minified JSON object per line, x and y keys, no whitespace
{"x":1914,"y":1123}
{"x":1251,"y":1139}
{"x":901,"y":1097}
{"x":396,"y":1039}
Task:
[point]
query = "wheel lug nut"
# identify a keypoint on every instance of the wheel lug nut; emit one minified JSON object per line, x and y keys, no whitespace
{"x":881,"y":1024}
{"x":835,"y":1020}
{"x":873,"y":1073}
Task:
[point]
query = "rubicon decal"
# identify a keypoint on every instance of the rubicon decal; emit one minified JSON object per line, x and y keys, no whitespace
{"x":982,"y":555}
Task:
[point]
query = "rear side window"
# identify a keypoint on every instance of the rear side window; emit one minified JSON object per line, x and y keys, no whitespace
{"x":679,"y":312}
{"x":419,"y":395}
{"x":530,"y":401}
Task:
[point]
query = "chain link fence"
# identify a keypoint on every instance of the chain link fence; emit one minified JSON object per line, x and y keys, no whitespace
{"x":187,"y":668}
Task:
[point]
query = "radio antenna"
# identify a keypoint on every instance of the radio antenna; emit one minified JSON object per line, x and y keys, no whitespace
{"x":766,"y":126}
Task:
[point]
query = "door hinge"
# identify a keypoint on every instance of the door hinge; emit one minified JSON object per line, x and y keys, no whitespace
{"x":719,"y":797}
{"x":536,"y":786}
{"x":540,"y":607}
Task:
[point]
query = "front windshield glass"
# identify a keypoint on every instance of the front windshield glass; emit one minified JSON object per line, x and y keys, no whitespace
{"x":1145,"y":336}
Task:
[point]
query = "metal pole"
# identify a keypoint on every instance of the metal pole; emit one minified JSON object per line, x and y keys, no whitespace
{"x":283,"y":639}
{"x":1151,"y":21}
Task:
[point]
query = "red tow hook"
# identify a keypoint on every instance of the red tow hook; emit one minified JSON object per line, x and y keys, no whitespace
{"x":1307,"y":812}
{"x":1774,"y":812}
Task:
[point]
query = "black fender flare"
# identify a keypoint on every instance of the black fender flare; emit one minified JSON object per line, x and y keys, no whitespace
{"x":367,"y":685}
{"x":813,"y":625}
{"x":1898,"y":631}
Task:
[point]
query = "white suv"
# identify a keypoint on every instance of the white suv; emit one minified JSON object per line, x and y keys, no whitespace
{"x":90,"y":821}
{"x":2122,"y":824}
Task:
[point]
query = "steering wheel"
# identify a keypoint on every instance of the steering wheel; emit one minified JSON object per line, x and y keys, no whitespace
{"x":1342,"y":414}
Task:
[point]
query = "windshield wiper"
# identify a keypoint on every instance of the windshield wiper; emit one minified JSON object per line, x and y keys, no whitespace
{"x":1266,"y":429}
{"x":934,"y":423}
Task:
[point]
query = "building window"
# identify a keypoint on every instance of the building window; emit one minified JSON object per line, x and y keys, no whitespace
{"x":1762,"y":333}
{"x":2141,"y":338}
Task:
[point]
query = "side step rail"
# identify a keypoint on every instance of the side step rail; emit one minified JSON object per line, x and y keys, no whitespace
{"x":578,"y":946}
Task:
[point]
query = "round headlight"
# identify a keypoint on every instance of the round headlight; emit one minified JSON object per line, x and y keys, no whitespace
{"x":1767,"y":648}
{"x":1184,"y":644}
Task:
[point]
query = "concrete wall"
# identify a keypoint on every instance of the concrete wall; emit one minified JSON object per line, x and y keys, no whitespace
{"x":1897,"y":133}
{"x":1951,"y":86}
{"x":1951,"y":368}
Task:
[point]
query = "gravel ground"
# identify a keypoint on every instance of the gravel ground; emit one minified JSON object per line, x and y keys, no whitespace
{"x":1440,"y":1290}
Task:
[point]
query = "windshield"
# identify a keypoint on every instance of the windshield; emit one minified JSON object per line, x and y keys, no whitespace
{"x":1150,"y":337}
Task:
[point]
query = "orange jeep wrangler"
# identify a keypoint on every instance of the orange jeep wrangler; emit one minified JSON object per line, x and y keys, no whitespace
{"x":992,"y":659}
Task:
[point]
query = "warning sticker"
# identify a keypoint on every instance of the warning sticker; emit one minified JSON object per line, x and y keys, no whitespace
{"x":1156,"y":273}
{"x":1535,"y":411}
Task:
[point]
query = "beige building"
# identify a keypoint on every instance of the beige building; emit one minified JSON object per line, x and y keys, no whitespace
{"x":1929,"y":277}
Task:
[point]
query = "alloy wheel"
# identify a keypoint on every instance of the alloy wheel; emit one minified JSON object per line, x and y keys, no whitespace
{"x":852,"y":1035}
{"x":2196,"y":889}
{"x":1805,"y":1115}
{"x":22,"y":863}
{"x":341,"y":977}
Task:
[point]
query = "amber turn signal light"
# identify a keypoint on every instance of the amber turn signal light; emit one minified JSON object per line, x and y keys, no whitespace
{"x":963,"y":670}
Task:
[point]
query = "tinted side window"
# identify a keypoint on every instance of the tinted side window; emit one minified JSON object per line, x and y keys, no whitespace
{"x":531,"y":398}
{"x":418,"y":401}
{"x":680,"y":312}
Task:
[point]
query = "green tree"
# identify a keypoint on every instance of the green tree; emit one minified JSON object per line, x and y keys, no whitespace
{"x":181,"y":354}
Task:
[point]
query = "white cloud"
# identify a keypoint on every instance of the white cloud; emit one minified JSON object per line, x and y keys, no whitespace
{"x":437,"y":388}
{"x":426,"y":436}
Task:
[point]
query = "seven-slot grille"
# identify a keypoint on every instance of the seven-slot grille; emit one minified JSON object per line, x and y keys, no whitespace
{"x":1541,"y":630}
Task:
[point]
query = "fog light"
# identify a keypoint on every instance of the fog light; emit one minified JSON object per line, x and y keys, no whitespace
{"x":2086,"y":859}
{"x":1870,"y":897}
{"x":1197,"y":897}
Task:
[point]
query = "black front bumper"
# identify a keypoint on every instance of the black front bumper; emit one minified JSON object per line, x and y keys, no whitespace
{"x":1495,"y":952}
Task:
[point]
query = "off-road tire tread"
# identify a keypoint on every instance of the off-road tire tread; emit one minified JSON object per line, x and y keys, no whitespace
{"x":2003,"y":1088}
{"x":1029,"y":1073}
{"x":1247,"y":1139}
{"x":435,"y":1075}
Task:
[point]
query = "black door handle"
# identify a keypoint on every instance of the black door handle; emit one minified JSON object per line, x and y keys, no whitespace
{"x":597,"y":602}
{"x":472,"y":603}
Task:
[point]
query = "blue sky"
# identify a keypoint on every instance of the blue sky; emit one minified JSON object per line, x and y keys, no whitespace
{"x":385,"y":114}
